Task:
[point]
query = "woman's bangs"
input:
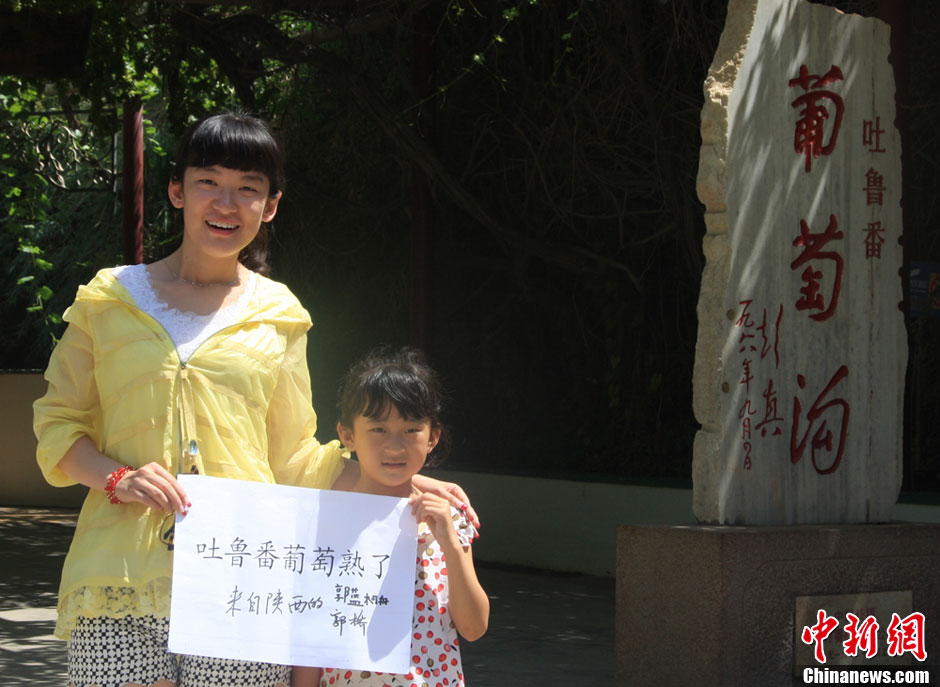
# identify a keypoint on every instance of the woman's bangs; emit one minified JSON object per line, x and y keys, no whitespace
{"x":241,"y":148}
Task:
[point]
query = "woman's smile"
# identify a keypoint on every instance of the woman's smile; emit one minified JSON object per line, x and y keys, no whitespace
{"x":228,"y":204}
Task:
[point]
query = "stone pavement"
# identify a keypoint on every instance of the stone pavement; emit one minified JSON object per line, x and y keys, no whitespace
{"x":545,"y":628}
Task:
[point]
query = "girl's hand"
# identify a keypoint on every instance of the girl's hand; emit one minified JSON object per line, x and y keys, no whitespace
{"x":469,"y":605}
{"x":447,"y":490}
{"x":151,"y":485}
{"x":435,"y":511}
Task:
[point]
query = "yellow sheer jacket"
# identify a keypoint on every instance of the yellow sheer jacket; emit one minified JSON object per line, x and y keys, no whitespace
{"x":240,"y":407}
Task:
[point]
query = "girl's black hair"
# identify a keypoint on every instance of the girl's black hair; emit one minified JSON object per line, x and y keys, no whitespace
{"x":401,"y":378}
{"x":239,"y":141}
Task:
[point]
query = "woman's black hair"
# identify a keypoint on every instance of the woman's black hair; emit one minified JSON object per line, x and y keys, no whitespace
{"x":239,"y":141}
{"x":394,"y":377}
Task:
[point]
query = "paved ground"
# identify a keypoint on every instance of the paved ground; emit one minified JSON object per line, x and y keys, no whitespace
{"x":545,"y":628}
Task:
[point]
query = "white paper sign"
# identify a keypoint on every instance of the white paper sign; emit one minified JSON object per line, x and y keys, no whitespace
{"x":296,"y":576}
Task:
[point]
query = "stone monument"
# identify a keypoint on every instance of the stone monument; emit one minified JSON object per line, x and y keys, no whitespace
{"x":799,"y":375}
{"x":802,"y":348}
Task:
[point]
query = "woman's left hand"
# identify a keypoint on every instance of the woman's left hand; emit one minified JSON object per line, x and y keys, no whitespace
{"x":451,"y":491}
{"x":435,"y":511}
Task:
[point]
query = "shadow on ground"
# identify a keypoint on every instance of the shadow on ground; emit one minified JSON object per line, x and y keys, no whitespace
{"x":545,"y":628}
{"x":33,"y":544}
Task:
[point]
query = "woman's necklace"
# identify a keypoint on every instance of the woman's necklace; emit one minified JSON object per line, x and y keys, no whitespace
{"x":235,"y":282}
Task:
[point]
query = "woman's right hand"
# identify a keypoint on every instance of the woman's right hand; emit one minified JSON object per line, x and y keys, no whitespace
{"x":152,"y":485}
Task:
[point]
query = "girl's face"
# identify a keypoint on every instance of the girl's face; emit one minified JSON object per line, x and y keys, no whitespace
{"x":222,"y":208}
{"x":391,"y":450}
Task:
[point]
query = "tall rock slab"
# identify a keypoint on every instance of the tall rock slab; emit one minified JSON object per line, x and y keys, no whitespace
{"x":802,"y":348}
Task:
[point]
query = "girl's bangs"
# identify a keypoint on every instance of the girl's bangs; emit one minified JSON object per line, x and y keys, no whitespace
{"x":394,"y":387}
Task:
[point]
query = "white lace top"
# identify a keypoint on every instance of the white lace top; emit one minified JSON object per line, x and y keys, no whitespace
{"x":187,"y":330}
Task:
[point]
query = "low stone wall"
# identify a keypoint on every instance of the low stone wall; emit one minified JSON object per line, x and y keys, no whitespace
{"x":23,"y":483}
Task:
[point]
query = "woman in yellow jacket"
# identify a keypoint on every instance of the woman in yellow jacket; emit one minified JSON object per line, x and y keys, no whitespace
{"x":196,"y":364}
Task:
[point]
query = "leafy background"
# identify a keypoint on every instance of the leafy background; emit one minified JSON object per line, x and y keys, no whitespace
{"x":549,"y":149}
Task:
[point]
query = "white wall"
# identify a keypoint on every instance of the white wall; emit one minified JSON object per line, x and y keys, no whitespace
{"x":571,"y":526}
{"x":559,"y":524}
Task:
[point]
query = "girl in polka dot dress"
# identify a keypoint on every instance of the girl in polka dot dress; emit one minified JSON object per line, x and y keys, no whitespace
{"x":390,"y":407}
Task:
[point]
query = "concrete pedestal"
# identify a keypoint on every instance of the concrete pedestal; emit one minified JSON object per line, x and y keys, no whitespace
{"x":702,"y":605}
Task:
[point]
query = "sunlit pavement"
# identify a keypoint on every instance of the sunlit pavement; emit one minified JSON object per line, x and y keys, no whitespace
{"x":545,"y":628}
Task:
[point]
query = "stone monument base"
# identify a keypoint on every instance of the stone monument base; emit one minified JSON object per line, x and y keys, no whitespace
{"x":720,"y":605}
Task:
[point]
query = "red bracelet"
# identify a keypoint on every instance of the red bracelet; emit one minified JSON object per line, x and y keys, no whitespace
{"x":112,"y":483}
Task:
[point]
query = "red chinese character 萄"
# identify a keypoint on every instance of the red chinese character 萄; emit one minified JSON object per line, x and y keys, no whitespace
{"x":813,"y":245}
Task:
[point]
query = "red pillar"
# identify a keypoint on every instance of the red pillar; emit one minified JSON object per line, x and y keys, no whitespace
{"x":133,"y":173}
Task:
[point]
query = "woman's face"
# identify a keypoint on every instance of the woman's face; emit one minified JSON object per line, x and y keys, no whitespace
{"x":222,"y":208}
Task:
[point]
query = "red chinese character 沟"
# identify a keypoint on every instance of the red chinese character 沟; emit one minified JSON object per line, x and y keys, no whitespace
{"x":822,"y":438}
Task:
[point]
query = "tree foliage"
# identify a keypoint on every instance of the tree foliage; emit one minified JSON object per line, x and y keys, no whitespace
{"x":559,"y":141}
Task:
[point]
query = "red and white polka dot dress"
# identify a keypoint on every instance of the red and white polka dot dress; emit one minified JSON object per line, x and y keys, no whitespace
{"x":435,"y":646}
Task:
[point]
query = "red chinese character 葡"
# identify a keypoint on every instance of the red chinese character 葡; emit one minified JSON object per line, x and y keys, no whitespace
{"x":907,"y":635}
{"x":822,"y":438}
{"x":862,"y":636}
{"x":809,"y":136}
{"x":813,"y":245}
{"x":816,"y":634}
